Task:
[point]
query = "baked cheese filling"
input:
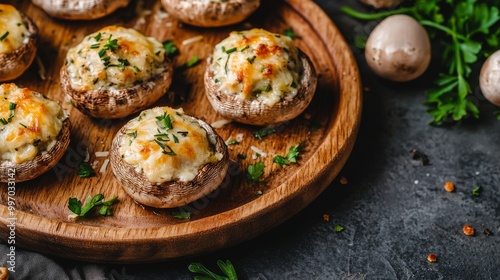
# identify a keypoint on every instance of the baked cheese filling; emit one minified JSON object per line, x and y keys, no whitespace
{"x":13,"y":32}
{"x":29,"y":123}
{"x":114,"y":58}
{"x":257,"y":65}
{"x":166,"y":145}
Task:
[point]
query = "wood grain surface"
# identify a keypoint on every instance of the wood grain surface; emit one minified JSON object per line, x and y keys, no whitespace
{"x":237,"y":210}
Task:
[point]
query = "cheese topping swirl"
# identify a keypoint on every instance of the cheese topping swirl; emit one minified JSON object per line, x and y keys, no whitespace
{"x":166,"y":145}
{"x":257,"y":64}
{"x":29,"y":123}
{"x":114,"y":58}
{"x":13,"y":32}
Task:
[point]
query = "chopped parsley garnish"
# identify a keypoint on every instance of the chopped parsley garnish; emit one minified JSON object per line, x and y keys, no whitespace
{"x":231,"y":50}
{"x":166,"y":148}
{"x":280,"y":160}
{"x":226,"y":267}
{"x":291,"y":156}
{"x":98,"y":37}
{"x":268,"y":88}
{"x":216,"y":80}
{"x":181,"y":215}
{"x":12,"y":106}
{"x":266,"y":131}
{"x":251,"y":59}
{"x":132,"y":134}
{"x":289,"y":33}
{"x":183,"y":133}
{"x":85,"y":170}
{"x":338,"y":228}
{"x":232,"y":142}
{"x":225,"y":64}
{"x":170,"y":47}
{"x":111,"y":45}
{"x":476,"y":191}
{"x":245,"y":48}
{"x":4,"y":36}
{"x":165,"y":121}
{"x":241,"y":156}
{"x":293,"y":85}
{"x":23,"y":125}
{"x":191,"y":62}
{"x":136,"y":69}
{"x":94,"y":46}
{"x":176,"y":140}
{"x":3,"y":121}
{"x":102,"y":52}
{"x":76,"y":207}
{"x":255,"y":171}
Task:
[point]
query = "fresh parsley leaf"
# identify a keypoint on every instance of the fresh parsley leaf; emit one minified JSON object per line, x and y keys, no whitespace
{"x":280,"y":160}
{"x":255,"y":171}
{"x":293,"y":153}
{"x":170,"y":48}
{"x":338,"y":228}
{"x":264,"y":132}
{"x":4,"y":36}
{"x":226,"y":267}
{"x":181,"y":215}
{"x":191,"y":62}
{"x":476,"y":191}
{"x":291,"y":156}
{"x":85,"y":170}
{"x":76,"y":207}
{"x":290,"y":33}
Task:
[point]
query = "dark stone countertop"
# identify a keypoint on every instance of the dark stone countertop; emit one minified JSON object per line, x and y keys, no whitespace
{"x":394,"y":210}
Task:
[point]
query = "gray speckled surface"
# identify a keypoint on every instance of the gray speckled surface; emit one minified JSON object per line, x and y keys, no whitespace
{"x":394,"y":211}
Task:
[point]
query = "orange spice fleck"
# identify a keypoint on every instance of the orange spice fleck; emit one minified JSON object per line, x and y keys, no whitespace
{"x":326,"y":217}
{"x":432,"y":258}
{"x":449,"y":186}
{"x":343,"y":180}
{"x":468,"y":230}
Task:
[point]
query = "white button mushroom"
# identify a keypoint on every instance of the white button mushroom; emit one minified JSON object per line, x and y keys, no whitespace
{"x":489,"y":78}
{"x":398,"y":49}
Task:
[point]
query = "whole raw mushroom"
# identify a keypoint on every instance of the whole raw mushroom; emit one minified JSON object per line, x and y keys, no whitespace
{"x":398,"y":49}
{"x":489,"y":78}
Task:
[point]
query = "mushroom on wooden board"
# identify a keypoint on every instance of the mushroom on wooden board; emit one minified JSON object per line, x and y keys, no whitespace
{"x":80,"y":10}
{"x":258,"y":77}
{"x":212,"y":13}
{"x":18,"y":42}
{"x":35,"y":133}
{"x":115,"y":72}
{"x":165,"y":158}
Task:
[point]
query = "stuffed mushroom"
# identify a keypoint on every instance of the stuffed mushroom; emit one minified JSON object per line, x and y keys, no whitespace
{"x":80,"y":10}
{"x":18,"y":42}
{"x":165,"y":158}
{"x":259,"y":78}
{"x":116,"y":72}
{"x":211,"y":13}
{"x":34,"y":132}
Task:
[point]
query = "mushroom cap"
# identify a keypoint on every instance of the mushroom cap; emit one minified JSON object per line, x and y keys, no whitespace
{"x":80,"y":10}
{"x":172,"y":193}
{"x":13,"y":64}
{"x":489,"y":78}
{"x":117,"y":103}
{"x":210,"y":14}
{"x":256,"y":112}
{"x":41,"y":163}
{"x":398,"y":49}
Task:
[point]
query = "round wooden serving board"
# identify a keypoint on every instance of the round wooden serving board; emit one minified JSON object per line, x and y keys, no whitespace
{"x":237,"y":210}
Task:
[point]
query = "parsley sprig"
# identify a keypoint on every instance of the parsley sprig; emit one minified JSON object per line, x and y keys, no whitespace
{"x":467,"y":31}
{"x":291,"y":156}
{"x":76,"y":207}
{"x":255,"y":171}
{"x":226,"y":267}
